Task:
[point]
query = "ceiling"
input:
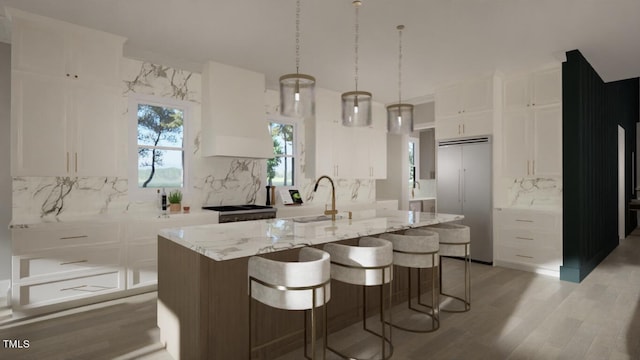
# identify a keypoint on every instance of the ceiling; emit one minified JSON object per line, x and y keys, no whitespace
{"x":444,"y":40}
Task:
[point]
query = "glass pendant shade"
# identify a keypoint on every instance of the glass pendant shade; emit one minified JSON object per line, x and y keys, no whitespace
{"x":356,"y":108}
{"x":297,"y":95}
{"x":400,"y":118}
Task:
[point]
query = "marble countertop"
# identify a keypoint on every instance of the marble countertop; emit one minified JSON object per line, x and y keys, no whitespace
{"x":33,"y":222}
{"x":242,"y":239}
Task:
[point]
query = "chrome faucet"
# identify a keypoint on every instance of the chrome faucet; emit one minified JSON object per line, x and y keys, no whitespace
{"x":333,"y":210}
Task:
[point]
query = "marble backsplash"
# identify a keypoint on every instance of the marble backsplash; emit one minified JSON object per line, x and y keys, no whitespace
{"x":212,"y":180}
{"x":534,"y":193}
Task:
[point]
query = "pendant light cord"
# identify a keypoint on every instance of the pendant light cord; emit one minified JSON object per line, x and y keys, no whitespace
{"x":297,"y":36}
{"x":356,"y":4}
{"x":400,"y":28}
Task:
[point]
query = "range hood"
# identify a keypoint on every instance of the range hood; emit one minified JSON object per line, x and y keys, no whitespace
{"x":233,"y":113}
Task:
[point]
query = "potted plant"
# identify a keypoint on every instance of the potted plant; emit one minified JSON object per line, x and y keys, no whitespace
{"x":175,"y":198}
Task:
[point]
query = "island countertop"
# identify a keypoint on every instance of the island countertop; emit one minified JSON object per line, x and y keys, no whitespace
{"x":243,"y":239}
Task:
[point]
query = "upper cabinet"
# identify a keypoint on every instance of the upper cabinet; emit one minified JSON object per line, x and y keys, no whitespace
{"x":465,"y":109}
{"x":470,"y":96}
{"x":532,"y":124}
{"x":48,"y":47}
{"x":344,"y":152}
{"x":233,"y":113}
{"x":64,"y":100}
{"x":539,"y":89}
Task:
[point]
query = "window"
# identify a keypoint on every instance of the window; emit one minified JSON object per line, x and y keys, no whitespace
{"x":281,"y":170}
{"x":414,"y":153}
{"x":157,"y":154}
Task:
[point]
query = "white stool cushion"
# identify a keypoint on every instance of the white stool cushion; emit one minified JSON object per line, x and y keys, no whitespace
{"x":313,"y":269}
{"x":370,"y":252}
{"x":452,"y":233}
{"x":424,"y":242}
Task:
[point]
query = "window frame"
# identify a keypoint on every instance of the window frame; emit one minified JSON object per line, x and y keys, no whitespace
{"x":416,"y":157}
{"x":150,"y":194}
{"x":298,"y":135}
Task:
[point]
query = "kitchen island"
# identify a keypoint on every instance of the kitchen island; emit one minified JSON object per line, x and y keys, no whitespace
{"x":202,"y":280}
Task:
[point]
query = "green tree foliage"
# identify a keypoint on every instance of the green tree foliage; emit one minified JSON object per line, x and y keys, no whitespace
{"x":273,"y":163}
{"x":282,"y":135}
{"x":161,"y":124}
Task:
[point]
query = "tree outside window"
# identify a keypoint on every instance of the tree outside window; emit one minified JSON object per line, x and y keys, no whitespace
{"x":280,"y":169}
{"x":160,"y":146}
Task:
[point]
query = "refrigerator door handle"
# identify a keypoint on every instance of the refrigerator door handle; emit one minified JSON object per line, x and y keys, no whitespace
{"x":459,"y":186}
{"x":464,"y":178}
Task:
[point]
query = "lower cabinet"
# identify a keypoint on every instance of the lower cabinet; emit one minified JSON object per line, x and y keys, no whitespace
{"x":528,"y":240}
{"x":60,"y":266}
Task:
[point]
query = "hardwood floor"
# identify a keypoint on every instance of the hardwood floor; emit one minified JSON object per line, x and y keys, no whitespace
{"x":514,"y":315}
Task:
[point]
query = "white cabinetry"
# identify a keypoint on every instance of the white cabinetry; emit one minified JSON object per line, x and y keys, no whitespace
{"x":533,"y":90}
{"x":532,"y":125}
{"x":141,"y":243}
{"x":528,"y":240}
{"x":465,"y":109}
{"x":49,"y":47}
{"x":345,"y":152}
{"x":58,"y":266}
{"x":63,"y":266}
{"x":65,"y":99}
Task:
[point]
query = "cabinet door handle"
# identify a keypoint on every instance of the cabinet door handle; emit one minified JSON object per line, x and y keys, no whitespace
{"x":459,"y":186}
{"x":73,"y":262}
{"x":91,"y":288}
{"x":524,"y":256}
{"x":533,"y":167}
{"x":74,"y":237}
{"x":524,"y":220}
{"x":76,"y":161}
{"x":523,"y":238}
{"x":528,"y":167}
{"x":463,"y":127}
{"x":67,"y":161}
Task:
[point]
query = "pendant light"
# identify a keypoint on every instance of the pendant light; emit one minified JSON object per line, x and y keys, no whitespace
{"x":400,"y":116}
{"x":297,"y":91}
{"x":356,"y":105}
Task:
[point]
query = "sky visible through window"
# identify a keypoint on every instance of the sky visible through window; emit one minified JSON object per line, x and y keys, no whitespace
{"x":160,"y":146}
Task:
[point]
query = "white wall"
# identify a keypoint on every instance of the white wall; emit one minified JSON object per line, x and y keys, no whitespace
{"x":424,"y":115}
{"x":5,"y":161}
{"x":395,"y":187}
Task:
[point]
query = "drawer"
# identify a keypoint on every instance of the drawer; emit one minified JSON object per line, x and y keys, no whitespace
{"x":543,"y":258}
{"x":52,"y":292}
{"x":42,"y":238}
{"x":60,"y":262}
{"x":523,"y":238}
{"x":528,"y":219}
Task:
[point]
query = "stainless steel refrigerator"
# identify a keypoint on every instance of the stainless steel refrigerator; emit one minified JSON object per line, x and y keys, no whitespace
{"x":464,"y":187}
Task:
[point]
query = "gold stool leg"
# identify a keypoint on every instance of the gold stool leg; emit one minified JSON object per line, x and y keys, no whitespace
{"x":466,"y":301}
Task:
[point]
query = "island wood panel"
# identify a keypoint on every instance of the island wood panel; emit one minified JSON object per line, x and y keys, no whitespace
{"x":210,"y":300}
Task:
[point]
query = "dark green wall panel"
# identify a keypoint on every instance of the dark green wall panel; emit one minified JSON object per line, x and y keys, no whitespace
{"x":592,"y":110}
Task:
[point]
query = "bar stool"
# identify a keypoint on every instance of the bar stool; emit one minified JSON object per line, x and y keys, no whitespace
{"x":367,"y":264}
{"x":455,"y":241}
{"x":418,"y":251}
{"x":303,"y":285}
